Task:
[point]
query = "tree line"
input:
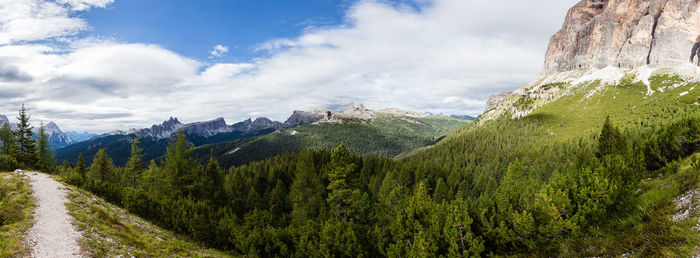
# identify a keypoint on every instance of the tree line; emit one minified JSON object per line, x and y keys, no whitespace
{"x":497,"y":189}
{"x":21,"y":148}
{"x":493,"y":190}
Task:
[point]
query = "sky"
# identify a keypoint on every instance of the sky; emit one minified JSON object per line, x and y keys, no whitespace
{"x":101,"y":65}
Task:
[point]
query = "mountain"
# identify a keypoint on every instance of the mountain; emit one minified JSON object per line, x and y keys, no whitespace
{"x":650,"y":47}
{"x":156,"y":138}
{"x":626,"y":34}
{"x":57,"y":139}
{"x":596,"y":161}
{"x":389,"y":133}
{"x":80,"y":136}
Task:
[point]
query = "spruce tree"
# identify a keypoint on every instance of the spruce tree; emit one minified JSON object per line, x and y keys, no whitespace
{"x":80,"y":166}
{"x":26,"y":146}
{"x":210,"y":181}
{"x":44,"y":152}
{"x":179,"y":166}
{"x":134,"y":166}
{"x":7,"y":137}
{"x":102,"y":168}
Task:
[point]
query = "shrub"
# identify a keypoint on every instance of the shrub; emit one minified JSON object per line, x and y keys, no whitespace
{"x":8,"y":163}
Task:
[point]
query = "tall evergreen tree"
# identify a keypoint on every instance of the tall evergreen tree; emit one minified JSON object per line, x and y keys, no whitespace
{"x":134,"y":166}
{"x":26,"y":146}
{"x":102,"y":168}
{"x":7,"y":137}
{"x":210,"y":181}
{"x":179,"y":165}
{"x":80,"y":166}
{"x":44,"y":152}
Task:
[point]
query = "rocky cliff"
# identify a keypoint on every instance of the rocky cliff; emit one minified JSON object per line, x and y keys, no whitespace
{"x":57,"y":139}
{"x":605,"y":42}
{"x":626,"y":34}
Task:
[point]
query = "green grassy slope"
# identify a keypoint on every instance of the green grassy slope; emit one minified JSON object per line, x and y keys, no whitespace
{"x":626,"y":103}
{"x":110,"y":231}
{"x":16,"y":204}
{"x":387,"y":136}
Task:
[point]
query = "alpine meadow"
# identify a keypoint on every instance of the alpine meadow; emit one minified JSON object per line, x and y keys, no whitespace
{"x":598,"y":155}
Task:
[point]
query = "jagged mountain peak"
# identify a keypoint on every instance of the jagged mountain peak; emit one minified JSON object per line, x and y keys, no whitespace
{"x":626,"y":34}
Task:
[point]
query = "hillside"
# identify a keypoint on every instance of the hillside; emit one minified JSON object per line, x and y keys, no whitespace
{"x":109,"y":231}
{"x":386,"y":135}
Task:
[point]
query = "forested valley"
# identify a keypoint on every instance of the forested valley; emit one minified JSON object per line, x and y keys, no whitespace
{"x":503,"y":188}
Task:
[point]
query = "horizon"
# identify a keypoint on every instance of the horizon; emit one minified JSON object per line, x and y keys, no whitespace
{"x":105,"y":65}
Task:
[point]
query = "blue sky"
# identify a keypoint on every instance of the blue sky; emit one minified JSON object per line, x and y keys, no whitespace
{"x":100,"y":65}
{"x":193,"y":28}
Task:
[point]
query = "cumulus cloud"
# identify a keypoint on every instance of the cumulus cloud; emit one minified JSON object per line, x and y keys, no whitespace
{"x":32,"y":20}
{"x":445,"y":56}
{"x":218,"y":51}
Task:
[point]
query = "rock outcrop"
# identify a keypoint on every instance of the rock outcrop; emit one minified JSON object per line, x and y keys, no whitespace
{"x":161,"y":131}
{"x":495,"y":99}
{"x":626,"y":34}
{"x":301,"y":118}
{"x":358,"y":111}
{"x":207,"y":128}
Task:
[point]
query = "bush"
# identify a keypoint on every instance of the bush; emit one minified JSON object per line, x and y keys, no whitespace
{"x":72,"y":177}
{"x":8,"y":163}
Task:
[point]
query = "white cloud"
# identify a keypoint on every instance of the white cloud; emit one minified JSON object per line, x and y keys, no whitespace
{"x":32,"y":20}
{"x":446,"y":57}
{"x":218,"y":51}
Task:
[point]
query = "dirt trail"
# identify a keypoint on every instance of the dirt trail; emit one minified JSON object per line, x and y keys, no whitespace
{"x":53,"y":234}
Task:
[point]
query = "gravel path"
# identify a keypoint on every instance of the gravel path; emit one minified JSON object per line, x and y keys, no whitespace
{"x":52,"y":235}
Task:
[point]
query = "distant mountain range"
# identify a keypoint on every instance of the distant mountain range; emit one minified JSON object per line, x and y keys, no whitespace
{"x":155,"y":139}
{"x":388,"y":133}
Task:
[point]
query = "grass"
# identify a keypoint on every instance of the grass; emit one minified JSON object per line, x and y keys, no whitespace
{"x":110,"y":231}
{"x":647,"y":228}
{"x":627,"y":104}
{"x":16,"y":205}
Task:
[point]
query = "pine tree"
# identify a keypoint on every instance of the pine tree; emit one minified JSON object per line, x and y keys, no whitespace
{"x":209,"y":183}
{"x":179,"y":166}
{"x":102,"y":168}
{"x":7,"y":137}
{"x":340,"y":175}
{"x":80,"y":166}
{"x":26,"y":146}
{"x":134,"y":166}
{"x":44,"y":152}
{"x":611,"y":141}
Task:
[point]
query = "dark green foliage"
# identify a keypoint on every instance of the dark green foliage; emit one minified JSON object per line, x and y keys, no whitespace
{"x":611,"y":141}
{"x":26,"y":146}
{"x":8,"y":163}
{"x":506,"y":188}
{"x":7,"y":139}
{"x":44,"y":152}
{"x":102,"y":169}
{"x":668,"y":143}
{"x":134,"y":166}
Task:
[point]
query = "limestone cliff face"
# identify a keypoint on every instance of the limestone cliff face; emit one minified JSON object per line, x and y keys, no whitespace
{"x":626,"y":34}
